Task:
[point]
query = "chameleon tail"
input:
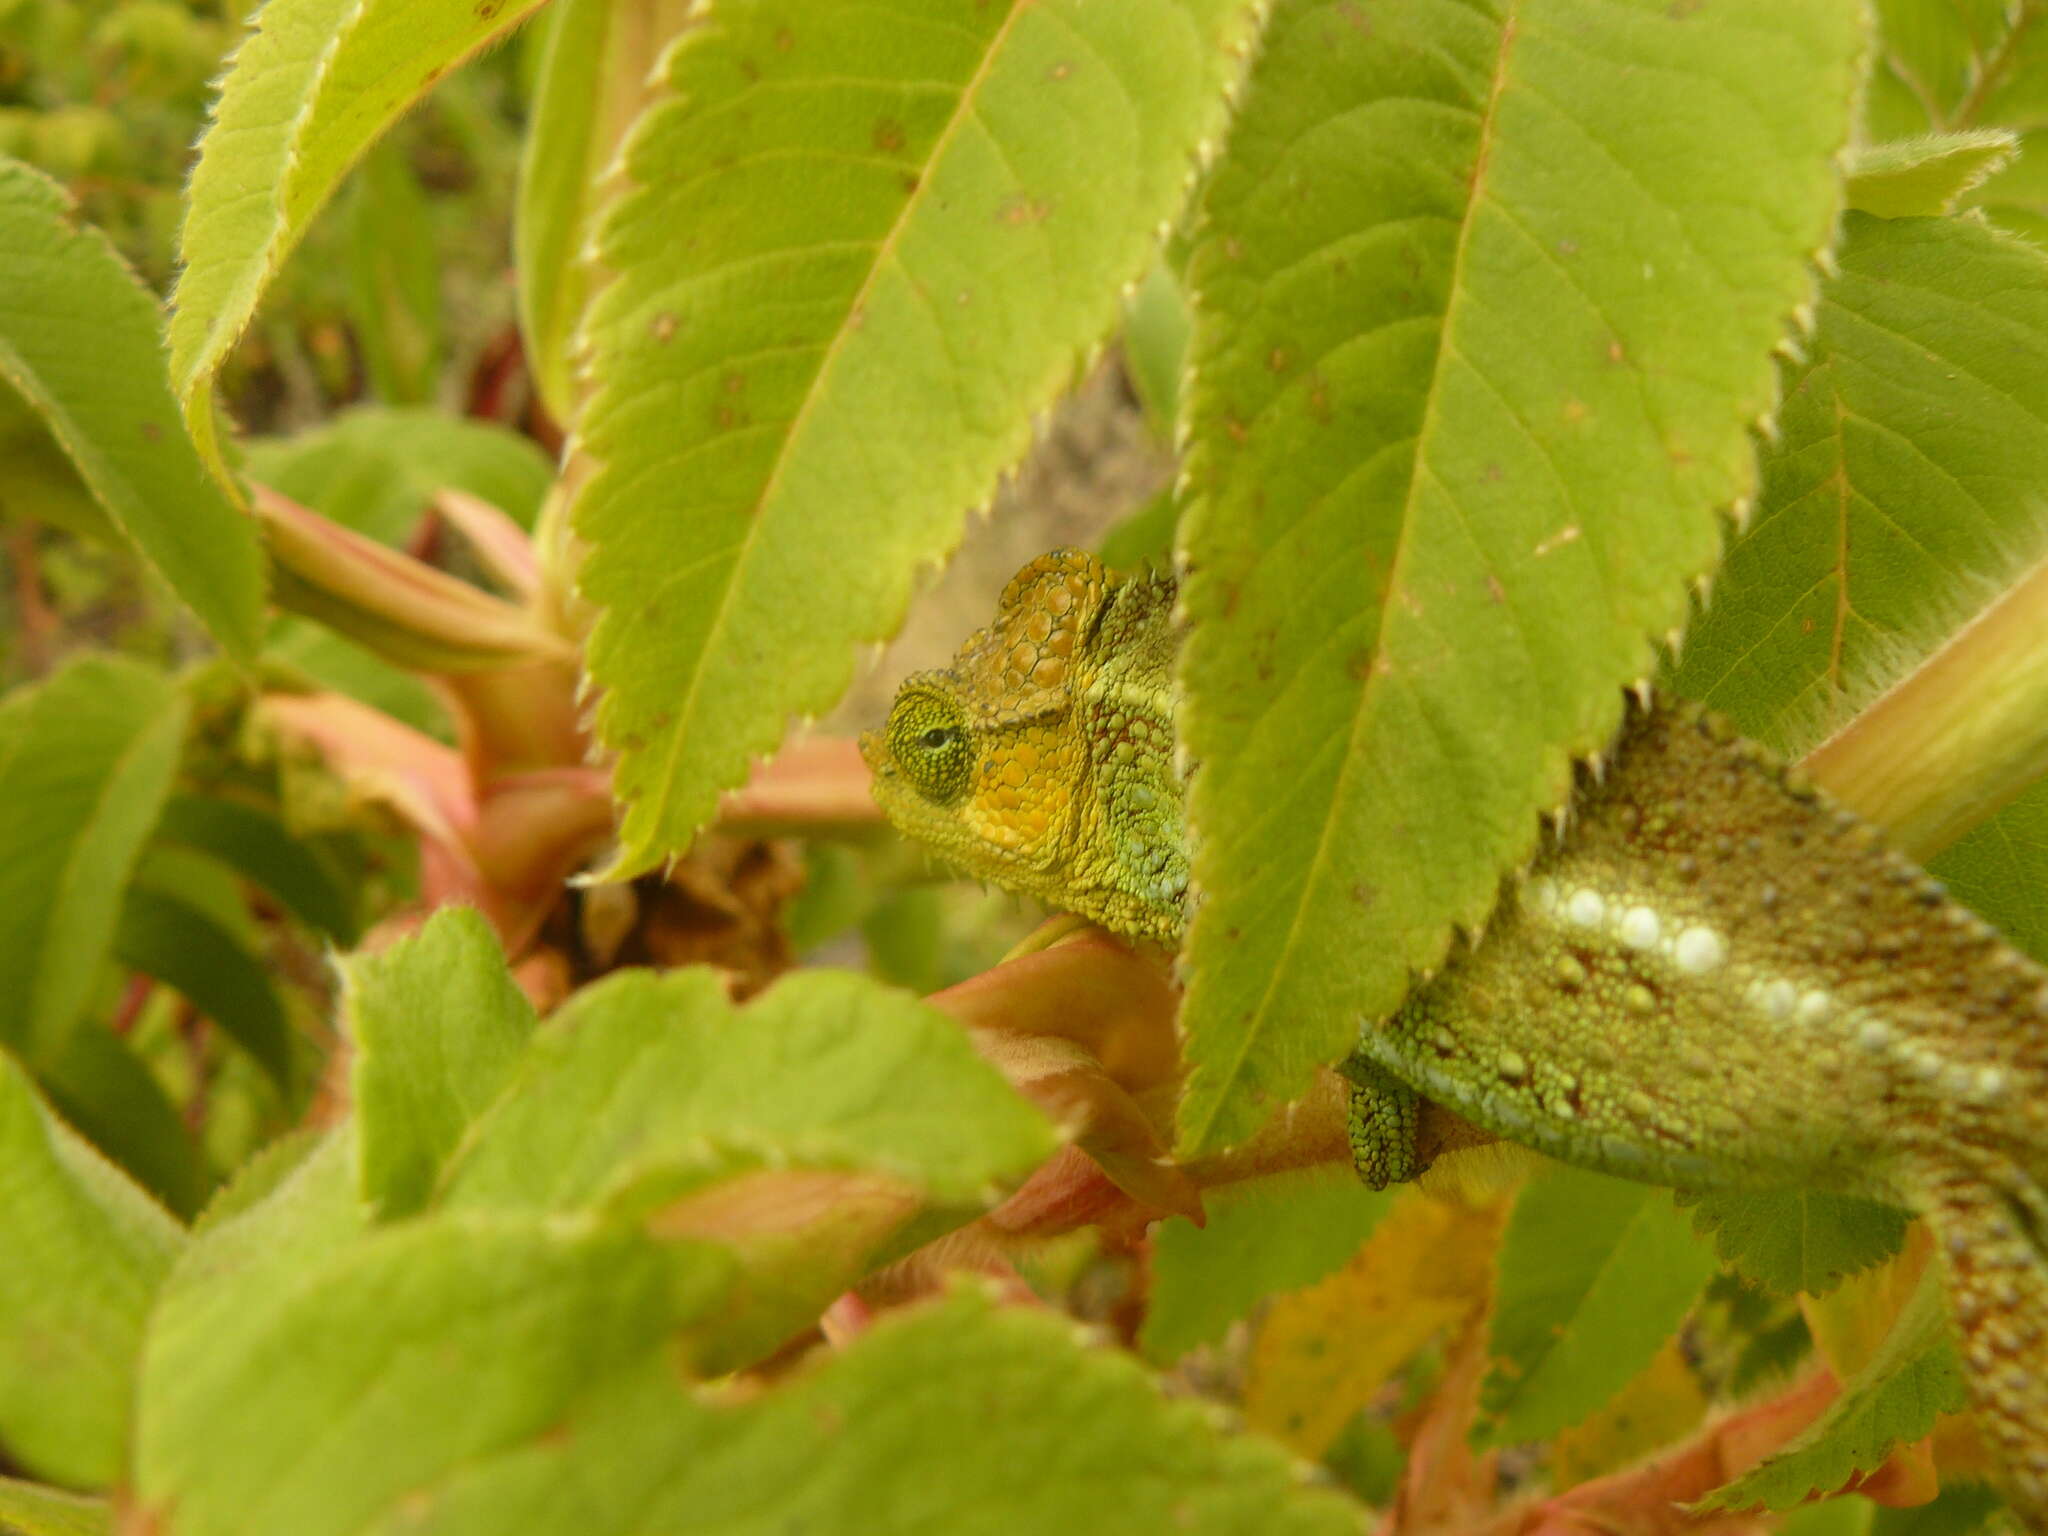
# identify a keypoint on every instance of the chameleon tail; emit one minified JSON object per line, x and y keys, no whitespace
{"x":1991,"y":1231}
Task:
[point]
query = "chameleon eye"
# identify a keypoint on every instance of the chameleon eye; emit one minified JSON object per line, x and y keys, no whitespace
{"x":928,"y":740}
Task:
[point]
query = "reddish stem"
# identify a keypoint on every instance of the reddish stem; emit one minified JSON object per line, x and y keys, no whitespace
{"x":38,"y":620}
{"x":133,"y":997}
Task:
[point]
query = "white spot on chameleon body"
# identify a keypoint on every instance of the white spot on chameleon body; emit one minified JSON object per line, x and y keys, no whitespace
{"x":1814,"y":1005}
{"x":1543,"y":893}
{"x":1776,"y":998}
{"x":1586,"y":907}
{"x":1699,"y":949}
{"x":1640,"y":928}
{"x":1971,"y":1082}
{"x":1875,"y":1035}
{"x":1922,"y":1062}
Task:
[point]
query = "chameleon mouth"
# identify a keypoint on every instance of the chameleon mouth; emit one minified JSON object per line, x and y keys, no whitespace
{"x":875,"y":754}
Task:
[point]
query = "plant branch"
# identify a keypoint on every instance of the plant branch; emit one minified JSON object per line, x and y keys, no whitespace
{"x":1959,"y":737}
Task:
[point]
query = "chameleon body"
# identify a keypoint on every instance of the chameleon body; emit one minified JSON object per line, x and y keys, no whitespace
{"x":1716,"y":979}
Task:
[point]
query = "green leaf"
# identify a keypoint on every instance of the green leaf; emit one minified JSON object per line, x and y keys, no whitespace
{"x":957,"y":1417}
{"x":85,"y":1253}
{"x":1484,"y":299}
{"x":419,"y":1349}
{"x":1795,"y":1240}
{"x":40,"y":482}
{"x":1913,"y":1377}
{"x":593,"y":78}
{"x":1970,"y":65}
{"x":558,"y":177}
{"x":181,"y":946}
{"x":905,"y":936}
{"x":826,"y":1128}
{"x":103,"y":1088}
{"x":1904,"y":538}
{"x":1156,"y":328}
{"x":201,"y":881}
{"x":1771,"y":1354}
{"x":290,"y":1210}
{"x":1369,"y":1459}
{"x":1837,"y":1517}
{"x":1144,"y":538}
{"x":325,"y":660}
{"x":2016,"y":200}
{"x":394,"y":279}
{"x":81,"y":341}
{"x":255,"y":844}
{"x":1926,"y":57}
{"x":437,"y":1023}
{"x":376,"y":468}
{"x":1964,"y":1509}
{"x":29,"y":1509}
{"x":86,"y":759}
{"x":1903,"y":492}
{"x":825,"y":1070}
{"x":313,"y":85}
{"x":835,"y":895}
{"x":1262,"y":1236}
{"x":1927,"y":175}
{"x":2000,"y":870}
{"x":1596,"y":1274}
{"x":867,"y":242}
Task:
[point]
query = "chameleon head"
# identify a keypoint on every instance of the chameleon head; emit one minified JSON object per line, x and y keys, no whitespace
{"x":1041,"y":759}
{"x":975,"y":759}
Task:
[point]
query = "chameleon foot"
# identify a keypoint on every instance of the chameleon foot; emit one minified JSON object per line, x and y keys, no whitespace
{"x":1382,"y":1124}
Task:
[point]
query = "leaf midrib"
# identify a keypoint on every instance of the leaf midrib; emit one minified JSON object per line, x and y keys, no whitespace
{"x":1455,"y":290}
{"x":686,"y":710}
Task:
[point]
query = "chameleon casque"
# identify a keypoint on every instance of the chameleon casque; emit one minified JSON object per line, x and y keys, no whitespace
{"x":1717,"y":980}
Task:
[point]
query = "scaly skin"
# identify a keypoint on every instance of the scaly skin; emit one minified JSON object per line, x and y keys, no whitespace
{"x":1042,"y":759}
{"x":1721,"y":981}
{"x":1718,"y":981}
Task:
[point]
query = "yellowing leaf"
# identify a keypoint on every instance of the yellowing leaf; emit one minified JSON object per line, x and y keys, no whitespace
{"x":1262,"y":1235}
{"x":1850,"y":1323}
{"x":1322,"y":1353}
{"x":1661,"y":1403}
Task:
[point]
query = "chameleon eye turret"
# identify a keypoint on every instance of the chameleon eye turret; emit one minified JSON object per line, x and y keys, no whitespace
{"x":1720,"y":981}
{"x":927,"y":740}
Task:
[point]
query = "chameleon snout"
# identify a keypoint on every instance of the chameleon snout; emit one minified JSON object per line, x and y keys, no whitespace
{"x":875,"y":754}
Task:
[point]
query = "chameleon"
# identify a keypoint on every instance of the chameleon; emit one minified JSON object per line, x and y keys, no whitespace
{"x":1717,"y":979}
